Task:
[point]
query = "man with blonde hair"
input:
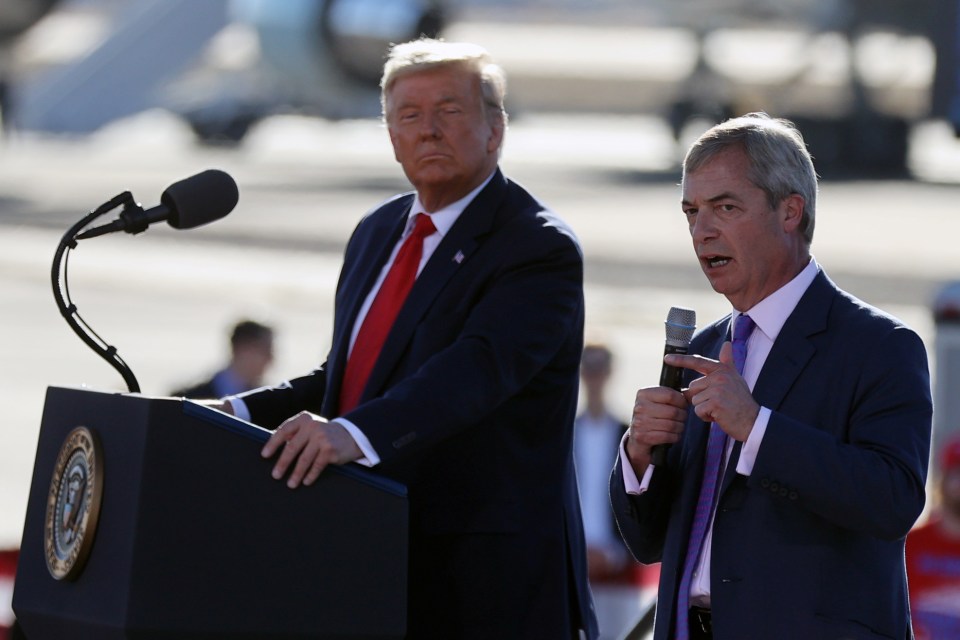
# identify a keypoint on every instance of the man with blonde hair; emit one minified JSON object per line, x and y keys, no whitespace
{"x":453,"y":366}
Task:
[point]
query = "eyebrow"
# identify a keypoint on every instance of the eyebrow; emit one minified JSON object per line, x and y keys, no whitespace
{"x":726,"y":195}
{"x":413,"y":105}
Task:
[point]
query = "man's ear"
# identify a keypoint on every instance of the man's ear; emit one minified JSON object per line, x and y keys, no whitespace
{"x":792,"y":211}
{"x":495,"y":139}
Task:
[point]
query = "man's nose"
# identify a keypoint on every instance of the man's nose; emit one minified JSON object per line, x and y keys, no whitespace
{"x":430,"y":126}
{"x":704,"y":226}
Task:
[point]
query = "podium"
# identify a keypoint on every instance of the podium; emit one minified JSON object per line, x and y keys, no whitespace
{"x":194,"y":539}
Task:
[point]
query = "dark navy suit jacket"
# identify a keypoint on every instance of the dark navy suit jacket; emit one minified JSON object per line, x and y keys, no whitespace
{"x":472,"y":400}
{"x":811,"y":544}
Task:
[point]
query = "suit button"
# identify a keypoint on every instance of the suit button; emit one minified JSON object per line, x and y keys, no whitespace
{"x":783,"y":492}
{"x":774,"y":486}
{"x":764,"y":483}
{"x":793,"y":495}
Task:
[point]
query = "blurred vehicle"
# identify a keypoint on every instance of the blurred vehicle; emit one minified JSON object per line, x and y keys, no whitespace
{"x":945,"y":31}
{"x":315,"y":57}
{"x":854,"y":75}
{"x":16,"y":16}
{"x":221,"y":64}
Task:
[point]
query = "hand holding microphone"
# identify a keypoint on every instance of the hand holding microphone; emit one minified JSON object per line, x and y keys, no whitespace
{"x":680,"y":326}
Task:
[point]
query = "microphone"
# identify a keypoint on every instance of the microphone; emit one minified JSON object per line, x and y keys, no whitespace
{"x":189,"y":203}
{"x":680,"y":325}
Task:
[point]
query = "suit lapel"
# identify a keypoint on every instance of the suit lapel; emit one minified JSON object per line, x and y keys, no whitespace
{"x":793,"y":348}
{"x":790,"y":354}
{"x":358,"y":277}
{"x":455,"y":249}
{"x":371,"y":264}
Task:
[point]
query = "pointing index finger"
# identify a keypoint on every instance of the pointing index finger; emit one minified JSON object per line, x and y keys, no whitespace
{"x":700,"y":364}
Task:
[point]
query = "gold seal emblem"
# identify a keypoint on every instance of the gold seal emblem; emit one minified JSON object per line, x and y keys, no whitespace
{"x":73,"y":504}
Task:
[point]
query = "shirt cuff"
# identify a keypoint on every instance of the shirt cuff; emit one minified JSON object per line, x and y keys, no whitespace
{"x":239,"y":408}
{"x":748,"y":454}
{"x":370,"y":457}
{"x":633,"y":486}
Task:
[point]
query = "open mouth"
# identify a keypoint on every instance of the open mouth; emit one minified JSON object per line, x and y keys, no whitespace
{"x":714,"y":262}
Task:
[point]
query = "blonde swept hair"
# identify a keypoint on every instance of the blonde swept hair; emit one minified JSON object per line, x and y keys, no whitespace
{"x":427,"y":53}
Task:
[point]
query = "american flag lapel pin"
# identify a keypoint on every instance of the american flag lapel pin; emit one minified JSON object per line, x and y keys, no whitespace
{"x":459,"y":257}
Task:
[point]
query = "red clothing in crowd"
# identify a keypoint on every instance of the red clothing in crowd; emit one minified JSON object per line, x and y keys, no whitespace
{"x":933,"y":571}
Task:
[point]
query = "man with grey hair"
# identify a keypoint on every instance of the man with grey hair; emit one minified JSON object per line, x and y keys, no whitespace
{"x":453,"y":366}
{"x":798,"y":449}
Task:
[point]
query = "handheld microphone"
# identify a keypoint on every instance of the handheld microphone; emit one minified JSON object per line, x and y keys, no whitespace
{"x":189,"y":203}
{"x":680,"y":326}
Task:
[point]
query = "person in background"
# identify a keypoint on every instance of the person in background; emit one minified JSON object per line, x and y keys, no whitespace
{"x":799,"y":445}
{"x":251,"y":353}
{"x":6,"y":92}
{"x":596,"y":440}
{"x":453,"y":366}
{"x":933,"y":556}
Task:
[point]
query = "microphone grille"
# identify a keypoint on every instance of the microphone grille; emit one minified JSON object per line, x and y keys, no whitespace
{"x":681,"y":324}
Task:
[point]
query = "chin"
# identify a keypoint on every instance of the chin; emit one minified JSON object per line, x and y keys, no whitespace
{"x":713,"y":283}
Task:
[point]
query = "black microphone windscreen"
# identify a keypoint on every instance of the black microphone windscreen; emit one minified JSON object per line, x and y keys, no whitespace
{"x":681,"y":324}
{"x":199,"y":199}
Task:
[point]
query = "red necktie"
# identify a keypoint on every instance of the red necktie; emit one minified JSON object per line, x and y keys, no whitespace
{"x":386,"y":305}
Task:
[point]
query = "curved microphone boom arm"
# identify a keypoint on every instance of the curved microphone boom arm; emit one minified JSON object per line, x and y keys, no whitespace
{"x":188,"y":203}
{"x":61,"y":289}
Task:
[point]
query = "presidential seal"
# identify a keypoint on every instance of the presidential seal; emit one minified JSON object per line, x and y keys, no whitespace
{"x":73,"y":504}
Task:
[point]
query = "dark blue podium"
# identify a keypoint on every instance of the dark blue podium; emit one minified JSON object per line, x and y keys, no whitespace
{"x":194,"y":539}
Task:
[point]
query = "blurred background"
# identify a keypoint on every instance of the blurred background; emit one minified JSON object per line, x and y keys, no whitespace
{"x":103,"y":96}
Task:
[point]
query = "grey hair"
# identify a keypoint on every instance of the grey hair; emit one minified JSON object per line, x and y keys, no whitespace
{"x":428,"y":53}
{"x":780,"y":163}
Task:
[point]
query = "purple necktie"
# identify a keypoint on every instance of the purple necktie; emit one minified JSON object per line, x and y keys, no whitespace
{"x":716,"y":445}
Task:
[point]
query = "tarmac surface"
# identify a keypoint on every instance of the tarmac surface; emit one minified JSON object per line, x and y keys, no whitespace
{"x":166,"y":298}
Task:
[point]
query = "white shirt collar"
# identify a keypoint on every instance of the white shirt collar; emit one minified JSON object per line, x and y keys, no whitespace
{"x":771,"y":313}
{"x":444,"y":218}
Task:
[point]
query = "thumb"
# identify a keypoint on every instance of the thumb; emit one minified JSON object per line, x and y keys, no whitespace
{"x":726,"y":354}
